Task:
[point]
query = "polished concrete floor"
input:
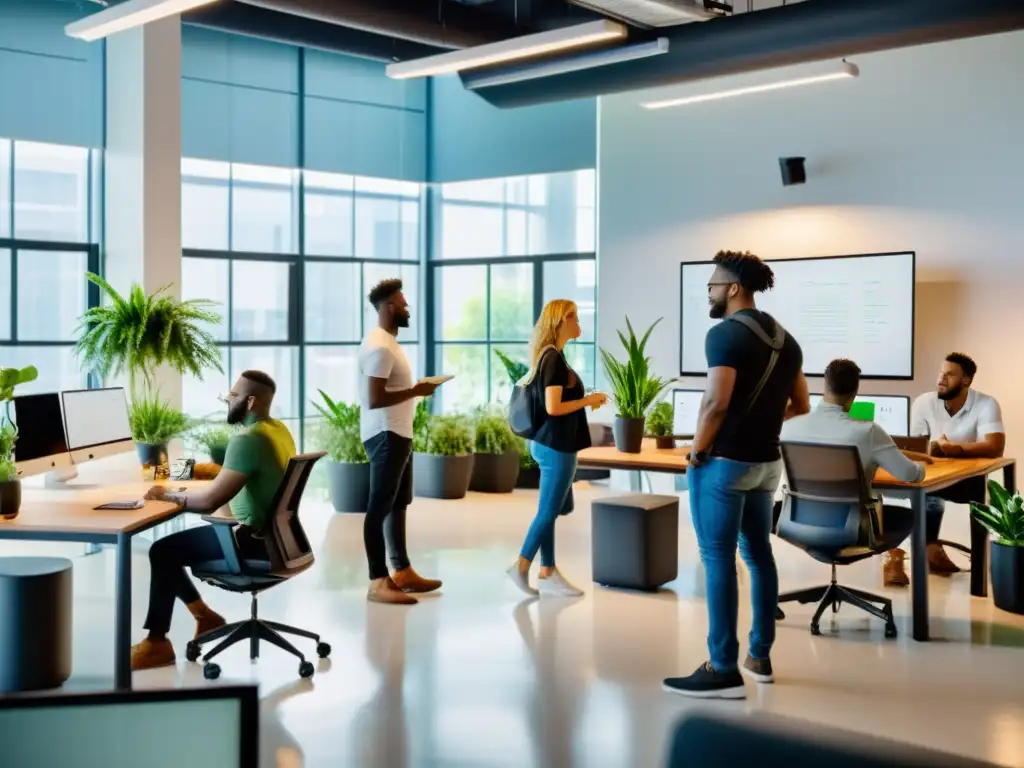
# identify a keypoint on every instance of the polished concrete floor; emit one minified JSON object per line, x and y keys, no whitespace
{"x":476,"y":676}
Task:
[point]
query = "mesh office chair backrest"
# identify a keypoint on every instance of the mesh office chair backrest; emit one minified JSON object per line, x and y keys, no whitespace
{"x":827,"y":499}
{"x":287,"y":545}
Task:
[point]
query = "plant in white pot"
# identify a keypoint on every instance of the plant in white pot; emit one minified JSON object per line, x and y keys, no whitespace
{"x":10,"y":485}
{"x":348,"y":468}
{"x":496,"y":458}
{"x":443,"y":458}
{"x":1004,"y":517}
{"x":634,"y":388}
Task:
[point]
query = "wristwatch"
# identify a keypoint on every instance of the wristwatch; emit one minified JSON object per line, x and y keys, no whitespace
{"x":700,"y":456}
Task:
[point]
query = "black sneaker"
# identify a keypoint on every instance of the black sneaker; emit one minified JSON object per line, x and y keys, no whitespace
{"x":758,"y":669}
{"x":707,"y":683}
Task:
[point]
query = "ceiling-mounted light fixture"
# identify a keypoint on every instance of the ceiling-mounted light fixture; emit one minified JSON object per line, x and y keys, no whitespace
{"x":758,"y":82}
{"x":515,"y":48}
{"x":133,"y":13}
{"x":588,"y":60}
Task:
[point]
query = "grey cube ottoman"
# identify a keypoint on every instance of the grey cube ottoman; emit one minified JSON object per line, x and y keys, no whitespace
{"x":634,"y":540}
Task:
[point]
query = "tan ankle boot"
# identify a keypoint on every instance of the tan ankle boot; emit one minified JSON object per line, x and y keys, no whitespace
{"x":893,"y":572}
{"x":206,"y":618}
{"x":409,"y":581}
{"x":939,"y":562}
{"x":386,"y":591}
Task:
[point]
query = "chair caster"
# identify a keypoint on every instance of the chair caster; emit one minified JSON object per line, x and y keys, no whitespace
{"x":815,"y":630}
{"x":323,"y":650}
{"x":211,"y":671}
{"x":192,"y":650}
{"x":890,"y":630}
{"x":779,"y":615}
{"x":306,"y":669}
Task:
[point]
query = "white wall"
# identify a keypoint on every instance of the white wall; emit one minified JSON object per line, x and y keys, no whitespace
{"x":924,"y":152}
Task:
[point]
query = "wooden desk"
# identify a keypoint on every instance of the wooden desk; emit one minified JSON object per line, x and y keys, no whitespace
{"x":939,"y":476}
{"x":68,"y":515}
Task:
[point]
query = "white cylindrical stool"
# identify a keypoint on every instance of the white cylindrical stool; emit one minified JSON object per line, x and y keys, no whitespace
{"x":35,"y":622}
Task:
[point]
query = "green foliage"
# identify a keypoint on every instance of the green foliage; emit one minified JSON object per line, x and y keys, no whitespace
{"x":634,"y":387}
{"x":154,"y":421}
{"x":12,"y":377}
{"x":525,"y":459}
{"x":8,"y":470}
{"x":9,"y":379}
{"x":421,"y":423}
{"x":8,"y":435}
{"x":491,"y":432}
{"x":338,"y":433}
{"x":138,"y":333}
{"x":1004,"y":516}
{"x":445,"y":436}
{"x":516,"y":370}
{"x":659,"y":420}
{"x":208,"y":436}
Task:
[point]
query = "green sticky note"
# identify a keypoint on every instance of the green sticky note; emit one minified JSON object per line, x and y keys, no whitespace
{"x":862,"y":411}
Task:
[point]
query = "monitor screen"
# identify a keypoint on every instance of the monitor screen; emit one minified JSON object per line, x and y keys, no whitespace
{"x":96,"y":417}
{"x":859,"y":307}
{"x":40,"y":427}
{"x":686,"y":408}
{"x":892,"y":412}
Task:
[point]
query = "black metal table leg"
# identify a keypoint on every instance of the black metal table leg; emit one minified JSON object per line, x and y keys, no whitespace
{"x":1010,"y":478}
{"x":979,"y":559}
{"x":919,"y":566}
{"x":123,"y":615}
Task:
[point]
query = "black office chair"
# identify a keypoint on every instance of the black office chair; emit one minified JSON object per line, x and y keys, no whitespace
{"x":289,"y":555}
{"x":828,"y":511}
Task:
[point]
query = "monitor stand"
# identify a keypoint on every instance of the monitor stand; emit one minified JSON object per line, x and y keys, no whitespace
{"x":57,"y":479}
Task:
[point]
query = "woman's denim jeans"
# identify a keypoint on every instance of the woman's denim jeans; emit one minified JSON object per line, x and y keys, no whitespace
{"x":557,"y":471}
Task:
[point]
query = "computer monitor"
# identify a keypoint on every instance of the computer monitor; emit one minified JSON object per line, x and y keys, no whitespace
{"x":892,"y":412}
{"x":215,"y":727}
{"x":96,"y":422}
{"x":42,"y":445}
{"x":685,"y":410}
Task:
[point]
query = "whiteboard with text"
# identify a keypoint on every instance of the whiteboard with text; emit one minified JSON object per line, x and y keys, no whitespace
{"x":858,"y":307}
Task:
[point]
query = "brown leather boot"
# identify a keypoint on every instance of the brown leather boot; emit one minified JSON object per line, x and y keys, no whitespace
{"x":409,"y":581}
{"x":893,"y":572}
{"x":150,"y":654}
{"x":939,"y":562}
{"x":386,"y":591}
{"x":206,"y":618}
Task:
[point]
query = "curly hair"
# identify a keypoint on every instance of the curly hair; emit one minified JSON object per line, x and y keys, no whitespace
{"x":967,"y":365}
{"x":383,"y":291}
{"x":752,"y":273}
{"x":842,"y":377}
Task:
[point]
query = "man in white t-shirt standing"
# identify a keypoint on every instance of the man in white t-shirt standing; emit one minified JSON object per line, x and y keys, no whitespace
{"x":959,"y":421}
{"x":387,"y":396}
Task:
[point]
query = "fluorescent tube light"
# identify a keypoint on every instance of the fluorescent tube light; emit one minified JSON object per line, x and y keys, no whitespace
{"x":587,"y":60}
{"x":133,"y":13}
{"x":515,"y":48}
{"x":764,"y":81}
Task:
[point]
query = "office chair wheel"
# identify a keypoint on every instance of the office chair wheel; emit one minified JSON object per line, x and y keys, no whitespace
{"x":306,"y":669}
{"x":323,"y":650}
{"x":815,"y":630}
{"x":890,"y":630}
{"x":192,"y":650}
{"x":211,"y":671}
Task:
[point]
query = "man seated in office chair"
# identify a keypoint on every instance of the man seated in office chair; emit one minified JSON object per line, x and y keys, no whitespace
{"x":830,"y":424}
{"x":254,"y":466}
{"x":960,"y":422}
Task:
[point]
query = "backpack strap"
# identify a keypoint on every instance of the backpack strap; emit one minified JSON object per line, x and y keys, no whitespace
{"x":775,"y":344}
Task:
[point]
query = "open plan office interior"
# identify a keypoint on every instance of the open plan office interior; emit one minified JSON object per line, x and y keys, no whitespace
{"x":193,"y":191}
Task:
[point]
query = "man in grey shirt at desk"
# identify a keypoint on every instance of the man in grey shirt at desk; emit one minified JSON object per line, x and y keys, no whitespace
{"x":830,"y":424}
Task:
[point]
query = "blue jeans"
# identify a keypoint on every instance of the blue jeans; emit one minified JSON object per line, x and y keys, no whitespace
{"x":557,"y":471}
{"x":731,"y":503}
{"x":934,"y":508}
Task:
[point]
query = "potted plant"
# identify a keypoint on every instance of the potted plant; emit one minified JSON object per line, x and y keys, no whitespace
{"x":496,"y":459}
{"x":1004,"y":517}
{"x":10,"y":485}
{"x":212,"y":438}
{"x":634,"y":388}
{"x":659,"y":425}
{"x":154,"y":423}
{"x":529,"y":472}
{"x":348,"y":468}
{"x":443,"y":457}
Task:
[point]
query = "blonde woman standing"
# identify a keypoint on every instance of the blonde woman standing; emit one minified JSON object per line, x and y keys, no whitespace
{"x":562,"y":435}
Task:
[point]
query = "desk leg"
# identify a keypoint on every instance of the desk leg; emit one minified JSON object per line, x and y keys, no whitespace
{"x":123,"y":615}
{"x":919,"y":567}
{"x":979,"y":559}
{"x":1010,"y":478}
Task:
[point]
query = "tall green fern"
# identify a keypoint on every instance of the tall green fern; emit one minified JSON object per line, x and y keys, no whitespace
{"x":633,"y":385}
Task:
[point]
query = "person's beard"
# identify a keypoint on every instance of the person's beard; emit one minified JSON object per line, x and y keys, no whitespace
{"x":237,"y":412}
{"x":402,"y":320}
{"x":718,"y":307}
{"x":952,"y":393}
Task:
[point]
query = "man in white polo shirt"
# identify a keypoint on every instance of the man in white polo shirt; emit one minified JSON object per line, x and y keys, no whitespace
{"x":960,"y":422}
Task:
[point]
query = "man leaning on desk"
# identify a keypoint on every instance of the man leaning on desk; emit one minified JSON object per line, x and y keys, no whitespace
{"x":254,"y":465}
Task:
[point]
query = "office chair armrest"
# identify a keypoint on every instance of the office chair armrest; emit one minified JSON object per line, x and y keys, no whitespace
{"x":224,"y":528}
{"x":218,"y":520}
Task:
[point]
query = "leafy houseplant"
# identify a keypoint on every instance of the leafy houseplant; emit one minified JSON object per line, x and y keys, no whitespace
{"x":154,"y":424}
{"x":659,"y":425}
{"x":1004,"y":517}
{"x":444,"y":457}
{"x":10,"y":485}
{"x":496,"y":465}
{"x":634,"y":388}
{"x":348,"y":470}
{"x":213,"y":439}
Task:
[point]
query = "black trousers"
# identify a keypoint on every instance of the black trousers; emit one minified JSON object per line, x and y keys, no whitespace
{"x":390,"y":494}
{"x":168,"y":558}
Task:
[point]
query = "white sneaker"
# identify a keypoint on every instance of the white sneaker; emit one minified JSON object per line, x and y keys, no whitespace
{"x":521,"y":580}
{"x":556,"y":585}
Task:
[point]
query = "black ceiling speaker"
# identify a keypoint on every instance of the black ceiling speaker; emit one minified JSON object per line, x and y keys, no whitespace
{"x":793,"y":171}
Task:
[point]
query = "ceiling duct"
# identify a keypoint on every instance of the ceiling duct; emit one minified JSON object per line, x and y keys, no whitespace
{"x":655,"y":13}
{"x":777,"y":37}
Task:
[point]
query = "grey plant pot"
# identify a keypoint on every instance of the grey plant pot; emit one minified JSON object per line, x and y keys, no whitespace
{"x":629,"y":434}
{"x":151,"y":455}
{"x":350,"y":486}
{"x":441,"y":477}
{"x":1007,"y":570}
{"x":495,"y":472}
{"x":10,"y":499}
